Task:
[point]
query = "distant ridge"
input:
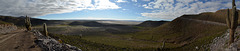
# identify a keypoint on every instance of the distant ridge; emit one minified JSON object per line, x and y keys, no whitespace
{"x":218,"y":16}
{"x":151,"y":23}
{"x":19,"y":21}
{"x":86,"y":23}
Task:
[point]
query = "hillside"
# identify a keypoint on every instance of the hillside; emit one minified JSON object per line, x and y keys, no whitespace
{"x":86,"y":23}
{"x":187,"y":31}
{"x":151,"y":23}
{"x":2,"y":22}
{"x":218,"y":16}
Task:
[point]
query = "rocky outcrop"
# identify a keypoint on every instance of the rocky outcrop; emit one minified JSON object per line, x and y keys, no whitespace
{"x":5,"y":28}
{"x":221,"y":43}
{"x":50,"y":44}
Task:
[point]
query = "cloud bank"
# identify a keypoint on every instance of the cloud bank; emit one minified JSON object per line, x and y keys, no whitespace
{"x":170,"y":9}
{"x":35,"y":8}
{"x":120,"y":1}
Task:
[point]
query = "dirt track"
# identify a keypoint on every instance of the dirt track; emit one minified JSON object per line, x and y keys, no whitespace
{"x":18,"y":41}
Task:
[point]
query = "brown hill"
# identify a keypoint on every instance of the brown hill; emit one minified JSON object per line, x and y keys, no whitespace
{"x":151,"y":23}
{"x":86,"y":23}
{"x":218,"y":16}
{"x":188,"y":31}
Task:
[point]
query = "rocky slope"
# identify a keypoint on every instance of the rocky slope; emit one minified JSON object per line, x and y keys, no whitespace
{"x":50,"y":44}
{"x":221,"y":43}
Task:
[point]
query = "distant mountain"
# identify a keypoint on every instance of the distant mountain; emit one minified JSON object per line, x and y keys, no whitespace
{"x":151,"y":23}
{"x":122,"y":22}
{"x":93,"y":24}
{"x":86,"y":23}
{"x":19,"y":21}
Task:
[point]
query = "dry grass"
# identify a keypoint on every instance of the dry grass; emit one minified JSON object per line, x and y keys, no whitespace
{"x":2,"y":22}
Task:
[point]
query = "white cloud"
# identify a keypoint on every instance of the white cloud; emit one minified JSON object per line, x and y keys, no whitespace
{"x":141,"y":0}
{"x":185,"y":1}
{"x":168,"y":9}
{"x":145,"y":0}
{"x":134,"y":0}
{"x":105,"y":4}
{"x":43,"y":7}
{"x":120,"y":1}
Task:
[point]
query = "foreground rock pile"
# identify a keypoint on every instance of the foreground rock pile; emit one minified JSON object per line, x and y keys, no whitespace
{"x":7,"y":28}
{"x":50,"y":44}
{"x":221,"y":43}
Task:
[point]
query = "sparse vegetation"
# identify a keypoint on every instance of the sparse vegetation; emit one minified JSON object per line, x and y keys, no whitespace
{"x":86,"y":45}
{"x":2,"y":22}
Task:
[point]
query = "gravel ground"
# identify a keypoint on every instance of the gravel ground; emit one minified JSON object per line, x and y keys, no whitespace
{"x":18,"y":40}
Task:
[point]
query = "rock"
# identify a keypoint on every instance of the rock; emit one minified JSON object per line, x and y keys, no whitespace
{"x":221,"y":43}
{"x":197,"y":47}
{"x":7,"y":28}
{"x":50,"y":44}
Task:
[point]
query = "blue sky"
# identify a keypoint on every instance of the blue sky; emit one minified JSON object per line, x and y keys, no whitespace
{"x":110,"y":9}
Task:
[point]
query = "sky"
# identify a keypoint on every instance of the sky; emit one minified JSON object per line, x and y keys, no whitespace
{"x":110,"y":9}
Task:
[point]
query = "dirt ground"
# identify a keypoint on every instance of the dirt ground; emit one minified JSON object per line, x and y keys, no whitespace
{"x":19,"y":40}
